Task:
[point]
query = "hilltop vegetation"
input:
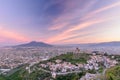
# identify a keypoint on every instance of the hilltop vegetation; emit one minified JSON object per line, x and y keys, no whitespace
{"x":71,"y":57}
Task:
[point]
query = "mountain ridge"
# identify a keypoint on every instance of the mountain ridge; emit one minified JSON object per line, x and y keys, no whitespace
{"x":112,"y":43}
{"x":42,"y":44}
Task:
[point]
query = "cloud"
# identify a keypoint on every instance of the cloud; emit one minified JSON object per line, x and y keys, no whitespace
{"x":70,"y":32}
{"x":8,"y":34}
{"x":71,"y":13}
{"x":58,"y":26}
{"x":90,"y":15}
{"x":56,"y":21}
{"x":75,"y":33}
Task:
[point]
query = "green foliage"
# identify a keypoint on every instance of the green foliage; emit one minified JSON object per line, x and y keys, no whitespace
{"x":38,"y":75}
{"x":22,"y":74}
{"x":100,"y":69}
{"x":70,"y":77}
{"x":2,"y":77}
{"x":91,"y":71}
{"x":18,"y":75}
{"x":113,"y":73}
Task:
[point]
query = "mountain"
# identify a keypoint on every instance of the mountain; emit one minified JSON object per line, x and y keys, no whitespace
{"x":102,"y":44}
{"x":42,"y":44}
{"x":107,"y":44}
{"x":35,"y":44}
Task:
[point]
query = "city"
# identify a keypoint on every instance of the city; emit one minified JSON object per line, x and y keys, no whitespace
{"x":57,"y":61}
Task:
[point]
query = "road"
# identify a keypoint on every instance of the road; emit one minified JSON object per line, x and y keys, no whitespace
{"x":60,"y":73}
{"x":68,"y":72}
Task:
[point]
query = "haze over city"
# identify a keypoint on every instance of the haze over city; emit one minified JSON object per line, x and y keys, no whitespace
{"x":59,"y":21}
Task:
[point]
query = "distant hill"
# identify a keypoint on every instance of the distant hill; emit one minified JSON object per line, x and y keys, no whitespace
{"x":35,"y":44}
{"x":42,"y":44}
{"x":102,"y":44}
{"x":107,"y":44}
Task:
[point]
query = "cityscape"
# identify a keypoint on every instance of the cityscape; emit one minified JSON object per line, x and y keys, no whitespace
{"x":59,"y":40}
{"x":57,"y":62}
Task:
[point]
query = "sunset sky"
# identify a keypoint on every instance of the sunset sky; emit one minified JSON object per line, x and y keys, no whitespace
{"x":59,"y":21}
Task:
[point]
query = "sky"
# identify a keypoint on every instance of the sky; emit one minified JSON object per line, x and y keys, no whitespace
{"x":59,"y":21}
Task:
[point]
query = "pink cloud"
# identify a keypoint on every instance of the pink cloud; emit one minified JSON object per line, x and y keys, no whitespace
{"x":58,"y":26}
{"x":87,"y":39}
{"x":69,"y":32}
{"x":64,"y":20}
{"x":8,"y":34}
{"x":101,"y":10}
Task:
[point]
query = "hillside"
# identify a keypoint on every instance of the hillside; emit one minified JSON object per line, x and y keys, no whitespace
{"x":113,"y":73}
{"x":44,"y":70}
{"x":44,"y":74}
{"x":22,"y":74}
